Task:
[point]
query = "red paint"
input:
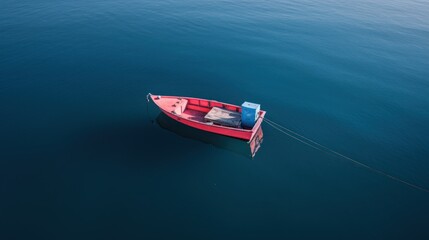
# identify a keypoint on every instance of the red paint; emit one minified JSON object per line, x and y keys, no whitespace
{"x":191,"y":111}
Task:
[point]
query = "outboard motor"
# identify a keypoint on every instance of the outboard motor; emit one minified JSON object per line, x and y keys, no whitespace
{"x":249,"y":114}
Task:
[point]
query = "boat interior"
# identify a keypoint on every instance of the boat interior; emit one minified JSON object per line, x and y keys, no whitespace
{"x":206,"y":111}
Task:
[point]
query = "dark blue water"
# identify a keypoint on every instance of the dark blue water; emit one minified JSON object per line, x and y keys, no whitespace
{"x":81,"y":159}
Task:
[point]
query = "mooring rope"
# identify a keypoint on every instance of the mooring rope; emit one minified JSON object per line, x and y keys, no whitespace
{"x":322,"y":148}
{"x":147,"y":107}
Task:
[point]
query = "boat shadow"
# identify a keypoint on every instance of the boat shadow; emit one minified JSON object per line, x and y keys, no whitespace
{"x":242,"y":147}
{"x":133,"y":143}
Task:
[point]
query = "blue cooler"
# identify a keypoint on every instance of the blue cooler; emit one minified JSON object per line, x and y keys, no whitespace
{"x":249,"y":114}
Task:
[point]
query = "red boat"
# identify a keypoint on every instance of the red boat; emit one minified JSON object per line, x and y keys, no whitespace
{"x":208,"y":115}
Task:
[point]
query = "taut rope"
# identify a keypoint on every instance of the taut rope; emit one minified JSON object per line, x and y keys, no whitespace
{"x":322,"y":148}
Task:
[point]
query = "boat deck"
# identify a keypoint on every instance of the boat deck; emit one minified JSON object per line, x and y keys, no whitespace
{"x":216,"y":115}
{"x":193,"y":115}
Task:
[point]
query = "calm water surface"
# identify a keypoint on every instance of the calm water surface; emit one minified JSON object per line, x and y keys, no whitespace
{"x":81,"y":158}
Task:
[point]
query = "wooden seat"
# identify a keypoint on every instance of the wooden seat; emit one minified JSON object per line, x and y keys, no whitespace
{"x":180,"y":106}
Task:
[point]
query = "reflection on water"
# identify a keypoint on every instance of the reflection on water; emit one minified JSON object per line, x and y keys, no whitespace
{"x":242,"y":147}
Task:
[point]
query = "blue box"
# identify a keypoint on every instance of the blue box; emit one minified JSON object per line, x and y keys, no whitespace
{"x":249,"y":114}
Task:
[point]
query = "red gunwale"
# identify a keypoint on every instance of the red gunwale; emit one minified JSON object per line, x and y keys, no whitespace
{"x":194,"y":111}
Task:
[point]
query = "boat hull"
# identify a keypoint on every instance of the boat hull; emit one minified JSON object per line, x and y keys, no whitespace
{"x":164,"y":103}
{"x":247,"y":149}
